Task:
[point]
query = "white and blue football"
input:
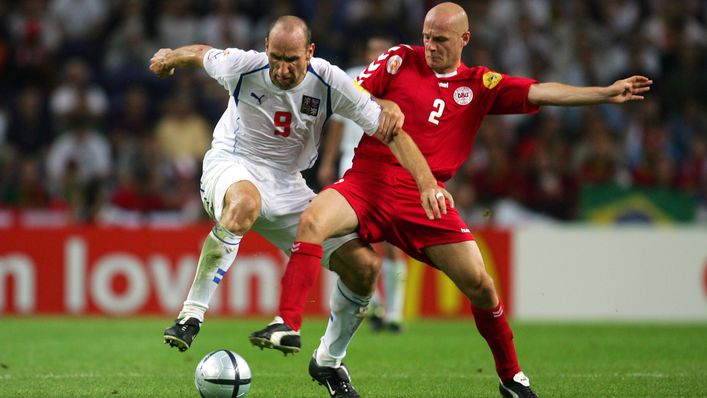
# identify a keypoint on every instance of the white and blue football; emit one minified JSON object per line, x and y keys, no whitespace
{"x":222,"y":374}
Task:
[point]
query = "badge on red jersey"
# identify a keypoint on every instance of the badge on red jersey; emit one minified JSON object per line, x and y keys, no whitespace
{"x":393,"y":64}
{"x":491,"y":79}
{"x":463,"y":95}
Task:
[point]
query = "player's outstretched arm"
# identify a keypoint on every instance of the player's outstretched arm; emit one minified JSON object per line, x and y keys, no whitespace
{"x":432,"y":196}
{"x":166,"y":60}
{"x":629,"y":89}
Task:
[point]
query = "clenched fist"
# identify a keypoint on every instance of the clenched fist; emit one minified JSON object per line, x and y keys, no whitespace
{"x":160,"y":64}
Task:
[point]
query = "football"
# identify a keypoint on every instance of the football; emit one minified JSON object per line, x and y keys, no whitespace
{"x":222,"y":373}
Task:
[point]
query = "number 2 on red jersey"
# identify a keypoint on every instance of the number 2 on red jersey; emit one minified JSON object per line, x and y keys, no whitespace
{"x":438,"y":109}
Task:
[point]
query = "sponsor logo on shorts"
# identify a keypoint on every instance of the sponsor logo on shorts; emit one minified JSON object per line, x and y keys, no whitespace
{"x":466,"y":231}
{"x":463,"y":95}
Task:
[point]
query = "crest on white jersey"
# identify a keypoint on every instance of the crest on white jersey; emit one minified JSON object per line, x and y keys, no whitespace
{"x":310,"y":105}
{"x":393,"y":64}
{"x":463,"y":95}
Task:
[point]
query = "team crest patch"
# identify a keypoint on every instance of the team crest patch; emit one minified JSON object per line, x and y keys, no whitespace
{"x":463,"y":95}
{"x":491,"y":79}
{"x":310,"y":106}
{"x":393,"y":64}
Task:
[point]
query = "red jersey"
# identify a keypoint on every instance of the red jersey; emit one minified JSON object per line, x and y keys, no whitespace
{"x":442,"y":112}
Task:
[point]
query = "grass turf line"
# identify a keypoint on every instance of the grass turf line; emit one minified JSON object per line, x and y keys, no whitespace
{"x":125,"y":357}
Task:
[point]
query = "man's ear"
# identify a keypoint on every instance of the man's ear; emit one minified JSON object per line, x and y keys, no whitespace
{"x":266,"y":44}
{"x":466,"y":36}
{"x":310,"y":51}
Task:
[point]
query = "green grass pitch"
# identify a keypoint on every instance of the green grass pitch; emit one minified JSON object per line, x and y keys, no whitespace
{"x":117,"y":357}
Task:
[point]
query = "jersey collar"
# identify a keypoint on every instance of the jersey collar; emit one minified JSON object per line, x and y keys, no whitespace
{"x":445,"y":75}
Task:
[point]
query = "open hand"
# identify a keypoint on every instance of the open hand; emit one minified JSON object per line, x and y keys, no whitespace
{"x":629,"y":89}
{"x":434,"y":201}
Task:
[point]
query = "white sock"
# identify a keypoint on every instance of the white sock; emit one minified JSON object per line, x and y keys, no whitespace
{"x":394,"y":277}
{"x":217,"y":255}
{"x":347,"y":312}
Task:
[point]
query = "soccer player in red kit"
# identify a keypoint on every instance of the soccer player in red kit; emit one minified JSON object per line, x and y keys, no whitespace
{"x":444,"y":103}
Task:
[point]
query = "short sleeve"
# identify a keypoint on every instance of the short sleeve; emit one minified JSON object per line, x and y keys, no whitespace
{"x":348,"y":99}
{"x":509,"y":93}
{"x":378,"y":74}
{"x":226,"y":66}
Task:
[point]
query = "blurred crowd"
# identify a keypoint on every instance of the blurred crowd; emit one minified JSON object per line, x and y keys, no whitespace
{"x":86,"y":129}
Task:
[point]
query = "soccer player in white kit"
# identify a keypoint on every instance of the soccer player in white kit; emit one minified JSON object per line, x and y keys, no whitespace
{"x":270,"y":131}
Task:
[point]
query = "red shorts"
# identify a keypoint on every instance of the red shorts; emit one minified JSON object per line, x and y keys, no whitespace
{"x":387,"y":203}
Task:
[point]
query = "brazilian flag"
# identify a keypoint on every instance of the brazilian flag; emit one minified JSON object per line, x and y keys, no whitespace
{"x":610,"y":204}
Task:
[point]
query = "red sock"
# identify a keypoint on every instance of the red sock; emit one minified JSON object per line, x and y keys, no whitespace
{"x":493,"y":326}
{"x":301,"y":273}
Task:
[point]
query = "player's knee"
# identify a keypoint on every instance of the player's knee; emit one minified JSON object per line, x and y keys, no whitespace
{"x":482,"y":288}
{"x":237,"y":227}
{"x":367,"y":273}
{"x":361,"y":276}
{"x":239,"y":217}
{"x":310,"y":226}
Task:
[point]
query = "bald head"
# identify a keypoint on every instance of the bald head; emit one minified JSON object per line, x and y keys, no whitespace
{"x":289,"y":49}
{"x":445,"y":33}
{"x":450,"y":15}
{"x":290,"y":27}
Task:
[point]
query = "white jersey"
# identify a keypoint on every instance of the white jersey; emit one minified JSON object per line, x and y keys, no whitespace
{"x":351,"y":133}
{"x":282,"y":128}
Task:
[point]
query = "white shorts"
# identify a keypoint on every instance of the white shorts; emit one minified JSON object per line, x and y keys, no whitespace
{"x":284,"y":196}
